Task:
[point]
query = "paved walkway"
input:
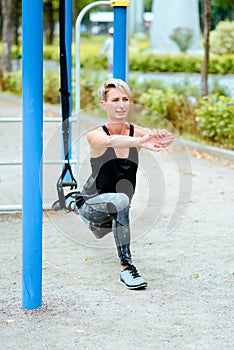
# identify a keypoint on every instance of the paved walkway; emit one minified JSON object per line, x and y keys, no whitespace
{"x":182,"y":243}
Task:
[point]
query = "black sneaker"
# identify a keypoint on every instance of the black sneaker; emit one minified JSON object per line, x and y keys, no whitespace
{"x":131,"y":278}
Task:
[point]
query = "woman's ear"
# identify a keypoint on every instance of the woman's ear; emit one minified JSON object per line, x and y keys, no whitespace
{"x":103,"y":104}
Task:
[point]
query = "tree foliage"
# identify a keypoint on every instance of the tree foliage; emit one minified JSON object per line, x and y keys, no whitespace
{"x":220,"y":10}
{"x":148,"y":5}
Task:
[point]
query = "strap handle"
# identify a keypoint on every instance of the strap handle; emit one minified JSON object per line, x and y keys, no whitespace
{"x":65,"y":104}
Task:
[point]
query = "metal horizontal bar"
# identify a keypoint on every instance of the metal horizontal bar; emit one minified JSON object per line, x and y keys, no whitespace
{"x":47,"y":120}
{"x":49,"y":162}
{"x":18,"y":207}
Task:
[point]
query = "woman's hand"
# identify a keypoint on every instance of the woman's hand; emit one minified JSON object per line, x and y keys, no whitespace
{"x":150,"y":142}
{"x":163,"y":137}
{"x":156,"y":140}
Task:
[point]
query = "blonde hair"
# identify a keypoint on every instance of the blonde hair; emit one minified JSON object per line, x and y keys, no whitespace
{"x":113,"y":83}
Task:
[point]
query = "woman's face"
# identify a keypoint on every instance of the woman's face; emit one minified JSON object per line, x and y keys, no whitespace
{"x":116,"y":105}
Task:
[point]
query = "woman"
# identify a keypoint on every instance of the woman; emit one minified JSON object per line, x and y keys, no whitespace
{"x":105,"y":200}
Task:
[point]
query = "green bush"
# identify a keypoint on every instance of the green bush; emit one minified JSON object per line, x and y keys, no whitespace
{"x":142,"y":60}
{"x":16,"y":52}
{"x":51,"y":86}
{"x":165,"y":108}
{"x":221,"y":64}
{"x":208,"y":119}
{"x":12,"y":82}
{"x":214,"y":117}
{"x":181,"y":63}
{"x":222,"y":38}
{"x":51,"y":52}
{"x":183,"y":37}
{"x":216,"y":89}
{"x":87,"y":93}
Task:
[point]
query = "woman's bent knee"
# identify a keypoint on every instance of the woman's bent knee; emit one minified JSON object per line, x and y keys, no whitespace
{"x":122,"y":201}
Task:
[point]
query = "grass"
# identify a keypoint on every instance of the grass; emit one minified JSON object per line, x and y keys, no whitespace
{"x":92,"y":44}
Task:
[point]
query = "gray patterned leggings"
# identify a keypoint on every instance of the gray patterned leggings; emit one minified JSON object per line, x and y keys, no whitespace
{"x":109,"y":212}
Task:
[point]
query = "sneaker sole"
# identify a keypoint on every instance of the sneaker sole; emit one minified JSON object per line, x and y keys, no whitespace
{"x":140,"y":286}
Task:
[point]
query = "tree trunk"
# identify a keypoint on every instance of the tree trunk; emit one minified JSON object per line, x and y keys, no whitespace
{"x":205,"y":65}
{"x":7,"y":34}
{"x":49,"y":22}
{"x":16,"y":19}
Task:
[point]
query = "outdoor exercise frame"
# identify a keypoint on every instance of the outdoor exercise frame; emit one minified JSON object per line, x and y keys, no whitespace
{"x":32,"y":131}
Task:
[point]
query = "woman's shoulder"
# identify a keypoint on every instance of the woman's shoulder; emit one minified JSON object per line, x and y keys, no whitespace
{"x":97,"y":139}
{"x":95,"y":132}
{"x":140,"y":131}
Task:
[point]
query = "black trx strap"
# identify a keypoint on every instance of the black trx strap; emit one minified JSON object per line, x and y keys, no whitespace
{"x":65,"y":103}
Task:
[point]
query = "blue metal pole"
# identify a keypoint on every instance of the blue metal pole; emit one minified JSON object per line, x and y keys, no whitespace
{"x":32,"y":128}
{"x":120,"y":42}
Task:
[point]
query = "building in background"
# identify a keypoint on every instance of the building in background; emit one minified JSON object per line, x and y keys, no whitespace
{"x":169,"y":15}
{"x":101,"y":21}
{"x":135,"y":17}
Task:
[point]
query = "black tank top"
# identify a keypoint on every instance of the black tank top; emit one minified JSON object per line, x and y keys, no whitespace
{"x":112,"y":174}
